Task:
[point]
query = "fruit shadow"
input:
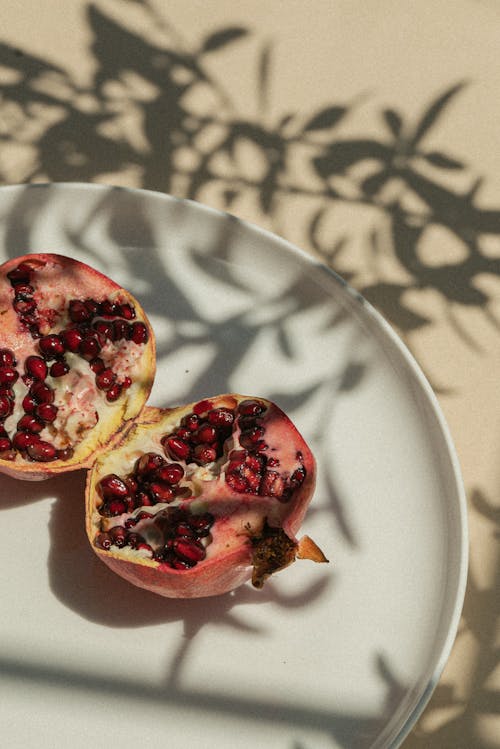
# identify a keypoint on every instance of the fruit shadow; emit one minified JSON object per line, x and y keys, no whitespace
{"x":15,"y":493}
{"x":83,"y":583}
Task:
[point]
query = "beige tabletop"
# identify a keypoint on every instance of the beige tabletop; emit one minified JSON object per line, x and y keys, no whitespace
{"x":366,"y":133}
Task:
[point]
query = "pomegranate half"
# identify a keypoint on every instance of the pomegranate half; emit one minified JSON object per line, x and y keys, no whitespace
{"x":77,"y":362}
{"x":196,"y":500}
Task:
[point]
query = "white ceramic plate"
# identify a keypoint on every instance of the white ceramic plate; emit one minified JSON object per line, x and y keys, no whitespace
{"x":322,"y":658}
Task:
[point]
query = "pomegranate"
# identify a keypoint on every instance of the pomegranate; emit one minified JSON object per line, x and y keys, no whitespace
{"x":196,"y":500}
{"x":77,"y":362}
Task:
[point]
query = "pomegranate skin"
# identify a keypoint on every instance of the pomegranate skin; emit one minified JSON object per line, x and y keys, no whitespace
{"x":240,"y":519}
{"x":35,"y":291}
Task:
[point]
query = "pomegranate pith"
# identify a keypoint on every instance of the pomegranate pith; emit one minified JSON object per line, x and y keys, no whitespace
{"x":50,"y":384}
{"x":180,"y":507}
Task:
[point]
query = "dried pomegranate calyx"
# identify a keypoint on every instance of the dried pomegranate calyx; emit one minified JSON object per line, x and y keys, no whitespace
{"x":190,"y":523}
{"x":272,"y":551}
{"x":309,"y":549}
{"x":55,"y":353}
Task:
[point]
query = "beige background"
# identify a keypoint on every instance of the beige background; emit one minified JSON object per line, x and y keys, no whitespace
{"x":119,"y":92}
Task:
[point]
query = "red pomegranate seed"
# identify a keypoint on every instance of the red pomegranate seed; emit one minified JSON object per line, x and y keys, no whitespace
{"x":47,"y":412}
{"x":78,"y":311}
{"x":126,"y":311}
{"x":29,"y":403}
{"x":161,"y":492}
{"x":114,"y":392}
{"x":144,"y":516}
{"x":176,"y":447}
{"x":36,"y":367}
{"x":21,"y":440}
{"x":138,"y":332}
{"x":204,"y":454}
{"x":251,"y":408}
{"x":252,"y":437}
{"x":118,"y":536}
{"x":220,"y":417}
{"x":105,"y":379}
{"x":41,"y":451}
{"x":20,"y":275}
{"x":142,"y":499}
{"x":201,"y":524}
{"x":114,"y":507}
{"x":33,"y":329}
{"x":28,"y":423}
{"x":148,"y":463}
{"x":297,"y":477}
{"x":238,"y":455}
{"x":24,"y":291}
{"x":6,"y":406}
{"x":7,"y":358}
{"x":202,"y":407}
{"x":72,"y":338}
{"x":237,"y":483}
{"x":92,"y":306}
{"x":51,"y":346}
{"x":121,"y":330}
{"x":65,"y":453}
{"x":8,"y":375}
{"x":131,"y":484}
{"x":59,"y":368}
{"x":253,"y":480}
{"x":97,"y":365}
{"x":5,"y":444}
{"x":89,"y":348}
{"x":134,"y":539}
{"x":103,"y":328}
{"x":112,"y":485}
{"x":103,"y":540}
{"x":254,"y":462}
{"x":144,"y":547}
{"x":190,"y":423}
{"x":260,"y":446}
{"x":108,"y":308}
{"x":126,"y":382}
{"x":42,"y":392}
{"x":183,"y":530}
{"x":272,"y":485}
{"x":206,"y":434}
{"x":172,"y":473}
{"x":189,"y":549}
{"x":235,"y":467}
{"x":24,"y":306}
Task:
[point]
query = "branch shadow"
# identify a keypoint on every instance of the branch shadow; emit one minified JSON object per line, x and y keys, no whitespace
{"x":140,"y":111}
{"x":339,"y":726}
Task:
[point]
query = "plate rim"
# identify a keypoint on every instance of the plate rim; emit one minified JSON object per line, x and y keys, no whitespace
{"x":413,"y":366}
